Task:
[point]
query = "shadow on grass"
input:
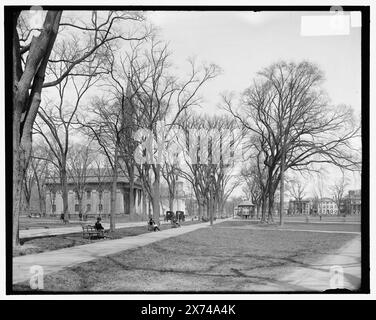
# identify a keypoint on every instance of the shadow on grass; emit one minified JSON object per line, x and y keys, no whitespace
{"x":209,"y":259}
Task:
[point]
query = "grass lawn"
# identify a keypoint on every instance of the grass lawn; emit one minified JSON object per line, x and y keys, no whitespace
{"x":48,"y":222}
{"x":42,"y":244}
{"x":55,"y":222}
{"x":348,"y":227}
{"x":205,"y":260}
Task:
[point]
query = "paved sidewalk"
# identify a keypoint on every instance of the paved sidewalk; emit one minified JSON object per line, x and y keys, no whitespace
{"x":42,"y":232}
{"x":317,"y":276}
{"x":53,"y":261}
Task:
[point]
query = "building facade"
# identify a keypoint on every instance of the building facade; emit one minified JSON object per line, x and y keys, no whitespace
{"x":324,"y":206}
{"x":178,"y":202}
{"x":352,"y":203}
{"x":96,"y":197}
{"x":300,"y":207}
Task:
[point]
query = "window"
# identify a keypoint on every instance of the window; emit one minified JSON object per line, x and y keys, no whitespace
{"x":54,"y":208}
{"x":88,"y":194}
{"x":76,"y":208}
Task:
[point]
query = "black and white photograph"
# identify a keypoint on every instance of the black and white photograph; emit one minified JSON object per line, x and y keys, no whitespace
{"x":186,"y":150}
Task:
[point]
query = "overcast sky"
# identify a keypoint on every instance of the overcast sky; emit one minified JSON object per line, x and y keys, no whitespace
{"x":242,"y":43}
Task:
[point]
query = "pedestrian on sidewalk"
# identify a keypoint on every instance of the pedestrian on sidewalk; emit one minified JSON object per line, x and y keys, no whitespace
{"x":62,"y":218}
{"x":153,"y":225}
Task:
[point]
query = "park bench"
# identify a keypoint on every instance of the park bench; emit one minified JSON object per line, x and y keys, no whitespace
{"x":89,"y":231}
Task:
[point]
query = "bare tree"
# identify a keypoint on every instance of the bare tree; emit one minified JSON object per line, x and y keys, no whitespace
{"x":105,"y":127}
{"x":78,"y":163}
{"x":40,"y":170}
{"x":56,"y":125}
{"x":338,"y":192}
{"x":170,"y":174}
{"x":162,"y":97}
{"x":253,"y":188}
{"x":32,"y":47}
{"x":29,"y":182}
{"x":295,"y":126}
{"x":102,"y":171}
{"x":208,"y":162}
{"x":296,"y":189}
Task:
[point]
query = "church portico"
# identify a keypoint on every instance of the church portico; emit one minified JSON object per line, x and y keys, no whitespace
{"x":95,"y":197}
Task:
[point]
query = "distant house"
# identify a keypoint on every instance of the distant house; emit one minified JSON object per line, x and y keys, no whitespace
{"x":309,"y":206}
{"x":300,"y":207}
{"x":326,"y":206}
{"x":352,"y":203}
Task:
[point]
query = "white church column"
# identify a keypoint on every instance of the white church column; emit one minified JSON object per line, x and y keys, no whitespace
{"x":94,"y":202}
{"x":71,"y":202}
{"x":59,"y":203}
{"x":48,"y":203}
{"x":119,"y":202}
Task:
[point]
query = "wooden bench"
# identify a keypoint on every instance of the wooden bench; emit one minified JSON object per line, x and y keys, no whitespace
{"x":90,"y":232}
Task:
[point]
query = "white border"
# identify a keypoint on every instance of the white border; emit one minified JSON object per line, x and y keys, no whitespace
{"x":203,"y":297}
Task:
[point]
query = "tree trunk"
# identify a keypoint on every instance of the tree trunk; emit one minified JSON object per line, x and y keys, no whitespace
{"x":28,"y":101}
{"x":42,"y":205}
{"x":131,"y":196}
{"x":221,"y":208}
{"x":270,"y":208}
{"x":80,"y":206}
{"x":144,"y":203}
{"x":263,"y":209}
{"x":199,"y":210}
{"x":208,"y":209}
{"x":64,"y":192}
{"x":149,"y":208}
{"x":114,"y":191}
{"x":26,"y":203}
{"x":41,"y":198}
{"x":19,"y":169}
{"x":156,"y":194}
{"x":282,"y":188}
{"x":171,"y":202}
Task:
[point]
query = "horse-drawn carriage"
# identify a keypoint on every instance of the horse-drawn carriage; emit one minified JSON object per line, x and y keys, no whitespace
{"x":175,"y":218}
